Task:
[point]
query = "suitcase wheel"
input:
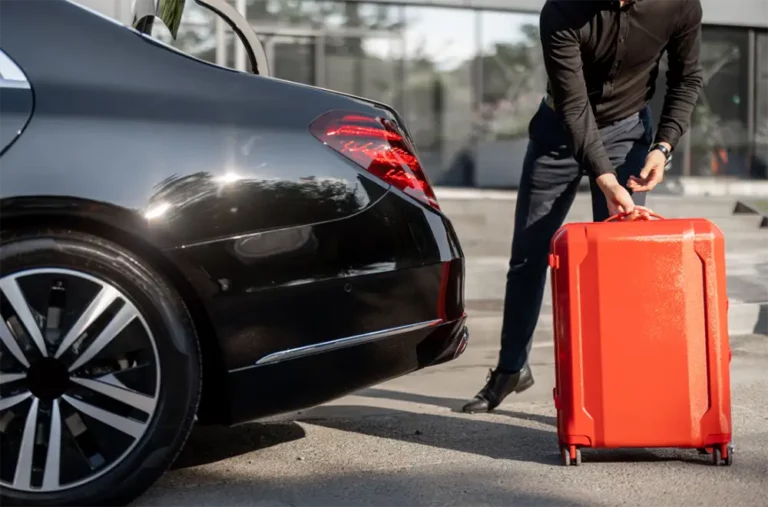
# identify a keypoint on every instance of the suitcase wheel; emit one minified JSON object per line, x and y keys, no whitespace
{"x":718,"y":452}
{"x":571,"y":455}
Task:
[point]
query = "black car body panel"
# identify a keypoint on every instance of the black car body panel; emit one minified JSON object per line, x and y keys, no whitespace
{"x":316,"y":283}
{"x":287,"y":245}
{"x":392,"y":266}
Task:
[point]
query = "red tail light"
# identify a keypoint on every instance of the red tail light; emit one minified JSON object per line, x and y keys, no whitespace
{"x":379,"y":146}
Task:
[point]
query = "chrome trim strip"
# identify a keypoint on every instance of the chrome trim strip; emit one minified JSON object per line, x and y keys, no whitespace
{"x":349,"y":341}
{"x":11,"y":76}
{"x":463,"y":343}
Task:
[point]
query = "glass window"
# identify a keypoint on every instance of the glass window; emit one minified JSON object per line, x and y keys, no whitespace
{"x":351,"y":47}
{"x":719,"y":133}
{"x":370,"y":16}
{"x":288,"y":30}
{"x":759,"y":168}
{"x":513,"y":82}
{"x":292,"y":57}
{"x":363,"y":51}
{"x":365,"y":66}
{"x":273,"y":14}
{"x":440,"y":46}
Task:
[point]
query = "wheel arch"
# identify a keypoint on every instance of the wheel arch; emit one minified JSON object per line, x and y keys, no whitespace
{"x":127,"y":229}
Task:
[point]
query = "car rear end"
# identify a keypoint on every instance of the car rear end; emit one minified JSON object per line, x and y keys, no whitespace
{"x":381,"y":145}
{"x":398,"y":308}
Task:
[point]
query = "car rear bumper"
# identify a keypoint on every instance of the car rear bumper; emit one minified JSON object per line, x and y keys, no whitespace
{"x":305,"y":380}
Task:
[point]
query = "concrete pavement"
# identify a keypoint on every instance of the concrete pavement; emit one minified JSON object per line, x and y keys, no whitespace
{"x":404,"y":443}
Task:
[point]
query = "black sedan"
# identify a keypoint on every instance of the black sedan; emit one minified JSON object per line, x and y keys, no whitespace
{"x":182,"y":242}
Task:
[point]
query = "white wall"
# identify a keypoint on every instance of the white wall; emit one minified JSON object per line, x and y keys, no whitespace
{"x":752,"y":13}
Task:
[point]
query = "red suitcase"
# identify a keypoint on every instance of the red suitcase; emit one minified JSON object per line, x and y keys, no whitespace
{"x":642,"y":356}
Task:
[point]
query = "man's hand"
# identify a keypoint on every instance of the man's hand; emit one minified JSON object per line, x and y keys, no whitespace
{"x":653,"y":172}
{"x":617,"y":197}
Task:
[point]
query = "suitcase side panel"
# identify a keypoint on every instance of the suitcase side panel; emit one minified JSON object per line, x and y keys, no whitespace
{"x":576,"y":426}
{"x":716,"y":422}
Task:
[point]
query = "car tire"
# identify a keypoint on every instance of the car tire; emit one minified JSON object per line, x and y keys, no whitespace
{"x":146,"y":374}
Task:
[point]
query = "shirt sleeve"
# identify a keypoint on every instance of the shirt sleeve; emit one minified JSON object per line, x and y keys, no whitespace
{"x":684,"y":75}
{"x":562,"y":59}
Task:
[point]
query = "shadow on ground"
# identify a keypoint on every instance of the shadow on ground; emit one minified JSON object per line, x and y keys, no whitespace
{"x":454,"y":404}
{"x":339,"y":488}
{"x":492,"y":439}
{"x":510,"y":439}
{"x":211,"y":444}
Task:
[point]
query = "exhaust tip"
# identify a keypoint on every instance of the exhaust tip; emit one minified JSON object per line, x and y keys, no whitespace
{"x":463,"y":342}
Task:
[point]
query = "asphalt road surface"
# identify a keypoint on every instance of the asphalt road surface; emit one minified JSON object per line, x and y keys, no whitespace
{"x":404,"y":443}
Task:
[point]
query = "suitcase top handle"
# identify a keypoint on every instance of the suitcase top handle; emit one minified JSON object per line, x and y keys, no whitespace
{"x":639,"y":213}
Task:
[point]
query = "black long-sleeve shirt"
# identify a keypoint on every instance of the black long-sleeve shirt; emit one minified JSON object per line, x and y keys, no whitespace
{"x":602,"y":60}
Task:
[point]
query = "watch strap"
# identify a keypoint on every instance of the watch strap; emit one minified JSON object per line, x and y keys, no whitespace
{"x":663,"y":149}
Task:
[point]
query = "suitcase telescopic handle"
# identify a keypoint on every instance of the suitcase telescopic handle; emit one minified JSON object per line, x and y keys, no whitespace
{"x":620,"y":216}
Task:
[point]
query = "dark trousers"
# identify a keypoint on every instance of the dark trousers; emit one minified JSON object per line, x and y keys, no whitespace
{"x":548,"y":186}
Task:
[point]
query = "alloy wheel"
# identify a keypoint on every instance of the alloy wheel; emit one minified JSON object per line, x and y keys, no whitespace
{"x":79,"y":378}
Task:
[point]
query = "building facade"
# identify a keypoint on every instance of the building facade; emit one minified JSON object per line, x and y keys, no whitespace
{"x":467,"y":75}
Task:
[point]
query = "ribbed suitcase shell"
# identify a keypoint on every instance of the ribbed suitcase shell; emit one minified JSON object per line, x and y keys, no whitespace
{"x":641,"y":336}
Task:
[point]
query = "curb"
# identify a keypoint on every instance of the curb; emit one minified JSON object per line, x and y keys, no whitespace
{"x":747,"y":207}
{"x":748,"y":318}
{"x":715,"y":187}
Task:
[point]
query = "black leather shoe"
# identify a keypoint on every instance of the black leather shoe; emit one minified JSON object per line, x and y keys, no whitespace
{"x":498,"y":386}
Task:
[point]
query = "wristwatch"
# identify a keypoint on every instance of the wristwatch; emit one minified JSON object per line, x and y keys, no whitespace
{"x":663,"y":149}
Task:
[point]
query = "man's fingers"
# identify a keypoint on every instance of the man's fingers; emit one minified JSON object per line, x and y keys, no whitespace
{"x":646,"y":171}
{"x":654,"y":180}
{"x":638,"y":186}
{"x":634,"y":183}
{"x":650,"y":176}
